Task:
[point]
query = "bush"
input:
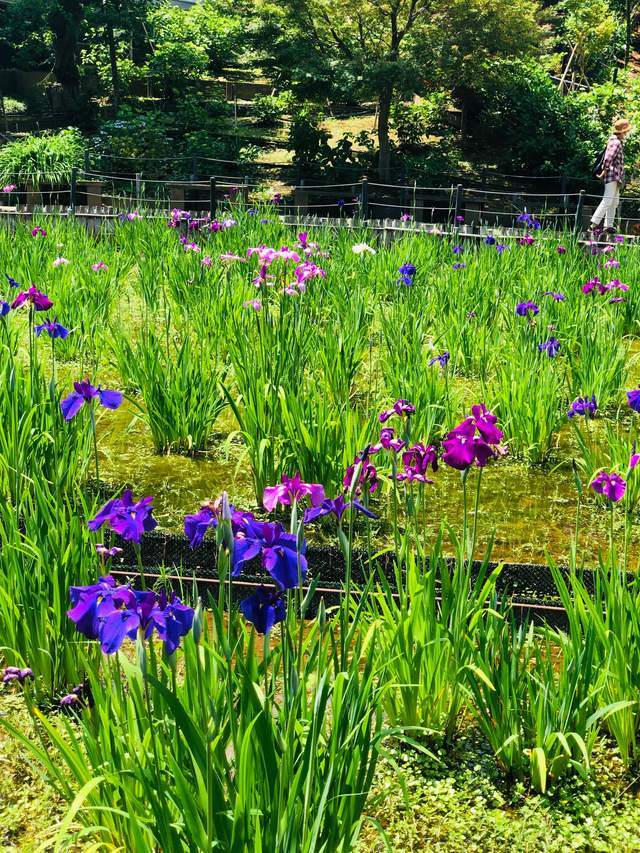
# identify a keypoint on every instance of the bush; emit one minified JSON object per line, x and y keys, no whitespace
{"x":269,"y":109}
{"x":12,"y":106}
{"x":136,"y":135}
{"x":413,"y":123}
{"x":46,"y":159}
{"x":530,"y":126}
{"x":307,"y":138}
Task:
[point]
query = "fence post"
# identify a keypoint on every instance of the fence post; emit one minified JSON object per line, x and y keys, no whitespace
{"x":579,"y":207}
{"x":364,"y":198}
{"x":73,"y":187}
{"x":212,"y":197}
{"x":459,"y":203}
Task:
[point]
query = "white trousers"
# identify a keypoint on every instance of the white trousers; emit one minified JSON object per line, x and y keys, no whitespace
{"x":607,"y":208}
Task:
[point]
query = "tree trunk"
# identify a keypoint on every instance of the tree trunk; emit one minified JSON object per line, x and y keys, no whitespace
{"x":113,"y":60}
{"x":627,"y":47}
{"x":384,"y":146}
{"x":65,"y":20}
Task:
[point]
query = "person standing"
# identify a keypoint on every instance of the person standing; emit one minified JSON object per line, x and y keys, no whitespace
{"x":612,"y":175}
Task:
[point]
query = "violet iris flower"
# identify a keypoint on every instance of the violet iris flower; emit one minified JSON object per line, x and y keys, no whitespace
{"x":407,"y":272}
{"x":85,"y":392}
{"x":528,"y":220}
{"x":551,"y":347}
{"x":86,"y":602}
{"x":501,"y":247}
{"x":458,"y":250}
{"x":107,"y":553}
{"x":53,"y":329}
{"x":39,"y":300}
{"x":291,"y":489}
{"x":442,"y":359}
{"x":126,"y":518}
{"x":4,"y":308}
{"x":12,"y":281}
{"x":263,"y":609}
{"x":15,"y":673}
{"x":400,"y":407}
{"x":557,"y":297}
{"x":633,"y":399}
{"x":583,"y":406}
{"x":611,"y":485}
{"x":279,"y":551}
{"x":490,"y":240}
{"x":459,"y":266}
{"x":524,"y":308}
{"x":335,"y":506}
{"x":197,"y":524}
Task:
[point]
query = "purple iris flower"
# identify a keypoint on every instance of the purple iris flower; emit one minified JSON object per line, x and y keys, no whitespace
{"x":263,"y":609}
{"x":291,"y":489}
{"x":4,"y":308}
{"x":528,"y":220}
{"x":441,"y":359}
{"x":561,"y":250}
{"x":85,"y":392}
{"x":583,"y":406}
{"x":557,"y":297}
{"x":130,"y":520}
{"x":39,"y":300}
{"x":458,"y":250}
{"x":407,"y":272}
{"x":551,"y":347}
{"x":500,"y":248}
{"x":388,"y":441}
{"x":463,"y":448}
{"x":335,"y":506}
{"x":178,"y":620}
{"x":279,"y":550}
{"x":524,"y":308}
{"x":490,"y":240}
{"x":368,"y":477}
{"x":416,"y":461}
{"x":53,"y":329}
{"x":459,"y":266}
{"x":87,"y":600}
{"x":12,"y":281}
{"x":633,"y":399}
{"x":107,"y":553}
{"x":197,"y":524}
{"x":15,"y":673}
{"x":400,"y":407}
{"x":612,"y":485}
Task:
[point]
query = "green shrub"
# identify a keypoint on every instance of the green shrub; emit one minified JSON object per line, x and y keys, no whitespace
{"x":45,"y":159}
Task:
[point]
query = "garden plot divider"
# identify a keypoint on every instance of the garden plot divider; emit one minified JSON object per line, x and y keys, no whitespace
{"x":469,"y":210}
{"x":528,"y":587}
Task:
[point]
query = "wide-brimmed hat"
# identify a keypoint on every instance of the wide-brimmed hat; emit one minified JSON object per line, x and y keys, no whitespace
{"x":621,"y":125}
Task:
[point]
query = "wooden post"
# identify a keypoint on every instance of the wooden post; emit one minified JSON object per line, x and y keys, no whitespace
{"x":73,"y":187}
{"x":212,"y":197}
{"x":579,"y":206}
{"x":364,"y":198}
{"x":459,"y":203}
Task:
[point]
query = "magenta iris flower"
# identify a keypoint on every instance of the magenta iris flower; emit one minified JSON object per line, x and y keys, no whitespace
{"x":130,"y":520}
{"x":15,"y":673}
{"x":400,"y":407}
{"x":292,"y":489}
{"x":611,"y":485}
{"x":84,"y":393}
{"x":525,"y":308}
{"x":416,"y":461}
{"x":633,"y":399}
{"x":263,"y":609}
{"x":38,"y":232}
{"x":388,"y":441}
{"x":368,"y":477}
{"x":585,"y":406}
{"x":335,"y":506}
{"x":53,"y":329}
{"x":39,"y":300}
{"x":463,"y":448}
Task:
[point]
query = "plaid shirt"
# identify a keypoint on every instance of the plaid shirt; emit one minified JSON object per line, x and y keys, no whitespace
{"x":613,"y":165}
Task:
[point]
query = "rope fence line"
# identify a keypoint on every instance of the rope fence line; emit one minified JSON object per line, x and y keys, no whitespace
{"x":109,"y":193}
